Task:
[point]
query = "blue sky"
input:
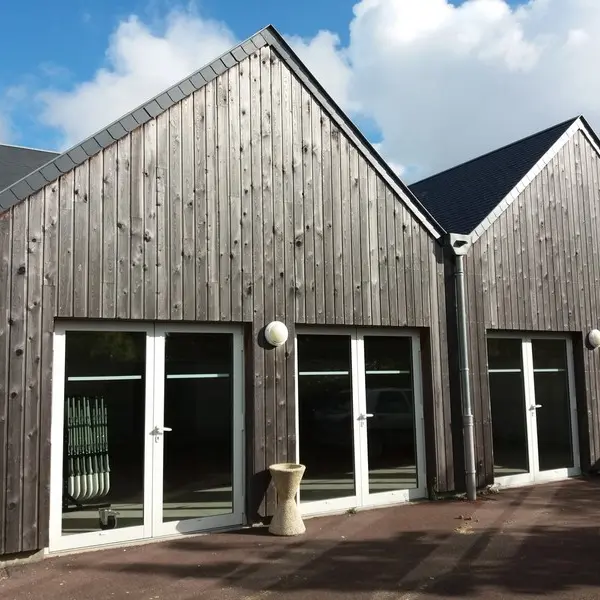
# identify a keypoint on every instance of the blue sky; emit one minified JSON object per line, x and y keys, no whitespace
{"x":57,"y":44}
{"x":60,"y":43}
{"x":428,"y":89}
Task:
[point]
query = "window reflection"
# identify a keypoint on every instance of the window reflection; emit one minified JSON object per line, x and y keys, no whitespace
{"x":392,"y":448}
{"x":325,"y":417}
{"x":198,"y":455}
{"x":103,"y":470}
{"x":553,"y":415}
{"x":507,"y":397}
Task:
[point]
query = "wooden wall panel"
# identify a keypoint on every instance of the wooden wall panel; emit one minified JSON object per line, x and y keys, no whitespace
{"x":136,"y":227}
{"x":81,"y":257}
{"x":540,"y":272}
{"x":33,"y":349}
{"x":174,"y":215}
{"x":244,"y":202}
{"x":16,"y":381}
{"x":123,"y":228}
{"x":5,"y":291}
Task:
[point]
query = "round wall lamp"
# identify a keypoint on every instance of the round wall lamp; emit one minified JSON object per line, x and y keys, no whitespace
{"x":594,"y":338}
{"x":276,"y":333}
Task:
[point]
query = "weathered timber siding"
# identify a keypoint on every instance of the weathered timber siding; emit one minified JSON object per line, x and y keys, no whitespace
{"x":243,"y":203}
{"x":537,"y":269}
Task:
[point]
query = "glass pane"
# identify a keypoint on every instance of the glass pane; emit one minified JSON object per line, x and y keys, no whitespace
{"x":555,"y":448}
{"x":326,"y":419}
{"x":507,"y":397}
{"x":392,"y":447}
{"x":103,"y":472}
{"x":198,"y":466}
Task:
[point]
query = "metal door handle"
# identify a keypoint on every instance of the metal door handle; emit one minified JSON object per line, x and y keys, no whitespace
{"x":366,"y":416}
{"x":158,"y":431}
{"x":535,"y":406}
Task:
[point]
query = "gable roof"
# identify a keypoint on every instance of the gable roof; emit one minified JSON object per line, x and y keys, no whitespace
{"x":65,"y":162}
{"x":17,"y":162}
{"x":463,"y":197}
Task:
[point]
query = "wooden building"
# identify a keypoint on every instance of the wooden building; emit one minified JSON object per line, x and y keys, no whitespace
{"x":531,"y":213}
{"x":138,"y":270}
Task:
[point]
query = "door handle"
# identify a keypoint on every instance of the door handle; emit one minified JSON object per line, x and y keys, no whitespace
{"x":365,"y":416}
{"x":159,"y":431}
{"x":535,"y":406}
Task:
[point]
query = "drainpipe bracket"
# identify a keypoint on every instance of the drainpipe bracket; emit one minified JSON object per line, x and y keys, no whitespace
{"x":459,"y":243}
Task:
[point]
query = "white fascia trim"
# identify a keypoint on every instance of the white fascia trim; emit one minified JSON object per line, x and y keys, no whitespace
{"x":530,"y":176}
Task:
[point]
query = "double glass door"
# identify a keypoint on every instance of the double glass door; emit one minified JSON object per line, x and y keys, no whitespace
{"x":534,"y":413}
{"x":146,"y":432}
{"x":360,"y":419}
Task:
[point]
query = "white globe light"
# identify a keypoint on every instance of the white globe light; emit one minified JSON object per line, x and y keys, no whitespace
{"x":276,"y":333}
{"x":594,"y":338}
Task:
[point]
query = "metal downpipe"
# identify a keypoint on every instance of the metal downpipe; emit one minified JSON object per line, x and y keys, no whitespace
{"x":465,"y":380}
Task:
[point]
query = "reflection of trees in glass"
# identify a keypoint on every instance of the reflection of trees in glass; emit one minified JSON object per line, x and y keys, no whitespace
{"x":323,"y":353}
{"x":105,"y":352}
{"x":384,"y":353}
{"x":549,"y":354}
{"x":199,"y":353}
{"x":115,"y":345}
{"x":504,"y":353}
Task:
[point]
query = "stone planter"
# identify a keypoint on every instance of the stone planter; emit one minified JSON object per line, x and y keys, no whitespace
{"x":287,"y":519}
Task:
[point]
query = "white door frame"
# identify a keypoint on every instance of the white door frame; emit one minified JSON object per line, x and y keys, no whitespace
{"x":154,"y":416}
{"x":236,"y":517}
{"x":362,"y":498}
{"x":57,"y":541}
{"x":396,"y":496}
{"x":535,"y":475}
{"x":353,"y":500}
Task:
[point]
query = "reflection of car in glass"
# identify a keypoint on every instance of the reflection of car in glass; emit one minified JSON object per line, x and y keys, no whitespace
{"x":390,"y":426}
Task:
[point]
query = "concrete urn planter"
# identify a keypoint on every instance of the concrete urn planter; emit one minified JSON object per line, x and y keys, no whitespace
{"x":287,"y":519}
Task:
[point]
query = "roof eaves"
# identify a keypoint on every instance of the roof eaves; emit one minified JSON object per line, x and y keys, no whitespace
{"x":69,"y":159}
{"x":590,"y":134}
{"x":489,"y":220}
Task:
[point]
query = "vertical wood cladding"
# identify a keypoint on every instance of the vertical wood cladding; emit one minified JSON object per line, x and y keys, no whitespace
{"x":243,"y":203}
{"x":537,"y":268}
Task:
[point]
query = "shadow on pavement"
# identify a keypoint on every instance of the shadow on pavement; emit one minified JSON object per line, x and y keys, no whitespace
{"x":538,"y":541}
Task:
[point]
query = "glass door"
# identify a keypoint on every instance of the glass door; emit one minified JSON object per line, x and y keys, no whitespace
{"x":198,"y":429}
{"x":360,"y":419}
{"x":553,"y":409}
{"x":534,"y":413}
{"x":511,"y":435}
{"x":327,"y":404}
{"x":390,"y":419}
{"x":102,"y":408}
{"x":147,"y":432}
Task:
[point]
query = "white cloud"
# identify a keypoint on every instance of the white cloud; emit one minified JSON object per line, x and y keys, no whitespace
{"x":140,"y":63}
{"x":328,"y":63}
{"x":399,"y":169}
{"x":10,"y":98}
{"x":442,"y":83}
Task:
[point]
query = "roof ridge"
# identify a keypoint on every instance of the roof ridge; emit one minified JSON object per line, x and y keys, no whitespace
{"x":272,"y":31}
{"x":568,"y":122}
